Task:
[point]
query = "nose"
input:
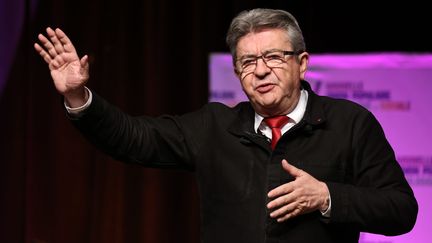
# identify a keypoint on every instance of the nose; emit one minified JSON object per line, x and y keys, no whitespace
{"x":261,"y":68}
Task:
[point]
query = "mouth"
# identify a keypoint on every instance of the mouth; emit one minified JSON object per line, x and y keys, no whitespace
{"x":264,"y":88}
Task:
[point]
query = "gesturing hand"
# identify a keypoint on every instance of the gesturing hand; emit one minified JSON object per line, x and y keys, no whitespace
{"x":68,"y":72}
{"x":303,"y":195}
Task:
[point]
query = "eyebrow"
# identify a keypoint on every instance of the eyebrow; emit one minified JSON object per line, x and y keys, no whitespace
{"x":262,"y":53}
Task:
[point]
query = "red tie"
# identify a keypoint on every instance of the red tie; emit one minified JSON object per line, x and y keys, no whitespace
{"x":276,"y":123}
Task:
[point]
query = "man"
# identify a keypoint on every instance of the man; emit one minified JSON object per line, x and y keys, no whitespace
{"x":331,"y":175}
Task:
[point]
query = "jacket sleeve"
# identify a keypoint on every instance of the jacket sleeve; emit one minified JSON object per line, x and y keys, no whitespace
{"x":379,"y":199}
{"x":153,"y":142}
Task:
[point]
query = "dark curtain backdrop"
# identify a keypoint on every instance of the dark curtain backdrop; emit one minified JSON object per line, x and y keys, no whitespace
{"x":147,"y":57}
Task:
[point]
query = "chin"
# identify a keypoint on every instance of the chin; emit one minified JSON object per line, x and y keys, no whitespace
{"x":268,"y":105}
{"x":269,"y":101}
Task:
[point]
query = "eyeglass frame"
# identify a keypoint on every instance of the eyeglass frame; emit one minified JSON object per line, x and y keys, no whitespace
{"x":285,"y":53}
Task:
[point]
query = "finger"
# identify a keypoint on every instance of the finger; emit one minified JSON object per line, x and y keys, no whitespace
{"x":65,"y":41}
{"x":48,"y":45}
{"x":287,"y":216}
{"x":281,"y":212}
{"x":280,"y":201}
{"x":281,"y":190}
{"x":42,"y":53}
{"x":292,"y":170}
{"x":55,"y":41}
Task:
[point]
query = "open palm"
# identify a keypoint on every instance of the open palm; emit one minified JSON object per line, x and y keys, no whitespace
{"x":68,"y":71}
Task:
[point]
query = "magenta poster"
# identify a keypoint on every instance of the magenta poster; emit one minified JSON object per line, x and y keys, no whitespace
{"x":395,"y":87}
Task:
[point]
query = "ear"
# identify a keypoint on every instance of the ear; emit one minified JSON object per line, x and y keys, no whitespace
{"x":303,"y":60}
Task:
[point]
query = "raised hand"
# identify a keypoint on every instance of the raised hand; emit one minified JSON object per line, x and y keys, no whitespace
{"x":69,"y":72}
{"x":303,"y":195}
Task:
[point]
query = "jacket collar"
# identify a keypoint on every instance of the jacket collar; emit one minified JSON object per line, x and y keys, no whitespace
{"x":314,"y":114}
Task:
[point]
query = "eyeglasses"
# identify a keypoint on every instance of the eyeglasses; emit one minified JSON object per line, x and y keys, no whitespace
{"x":272,"y":59}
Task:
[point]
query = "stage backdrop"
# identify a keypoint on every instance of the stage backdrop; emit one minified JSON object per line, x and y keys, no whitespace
{"x":395,"y":87}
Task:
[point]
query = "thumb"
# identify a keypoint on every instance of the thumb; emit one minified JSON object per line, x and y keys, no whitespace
{"x":84,"y":62}
{"x":291,"y":169}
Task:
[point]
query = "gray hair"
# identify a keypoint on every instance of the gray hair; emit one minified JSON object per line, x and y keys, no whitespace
{"x":255,"y":20}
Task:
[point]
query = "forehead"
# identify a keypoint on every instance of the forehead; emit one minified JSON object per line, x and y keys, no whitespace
{"x":266,"y":39}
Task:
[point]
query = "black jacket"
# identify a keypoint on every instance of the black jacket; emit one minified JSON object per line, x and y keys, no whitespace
{"x":337,"y":142}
